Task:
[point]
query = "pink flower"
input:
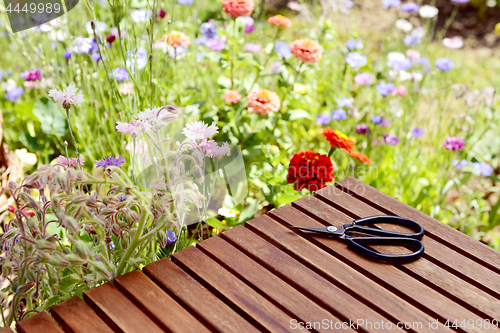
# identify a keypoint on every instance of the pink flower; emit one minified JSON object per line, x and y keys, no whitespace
{"x":280,"y":20}
{"x":363,"y":78}
{"x":72,"y":161}
{"x":68,"y":97}
{"x":237,"y":8}
{"x":401,"y":91}
{"x":12,"y":209}
{"x":199,"y":131}
{"x":263,"y":101}
{"x":176,"y":39}
{"x":307,"y":50}
{"x":232,"y":96}
{"x":453,"y":43}
{"x":453,"y":143}
{"x":125,"y":128}
{"x":211,"y":149}
{"x":412,"y":54}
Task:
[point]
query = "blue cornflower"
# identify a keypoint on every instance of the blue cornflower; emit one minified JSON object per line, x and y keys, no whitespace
{"x":199,"y":56}
{"x":120,"y":74}
{"x":209,"y":30}
{"x":412,"y":40}
{"x":54,"y":46}
{"x":339,"y":114}
{"x":386,"y":88}
{"x":376,"y":120}
{"x":93,"y":47}
{"x":171,"y":238}
{"x":109,"y":161}
{"x":355,"y":59}
{"x":444,"y":64}
{"x":67,"y":55}
{"x":185,"y":2}
{"x":353,"y":44}
{"x":417,"y":132}
{"x":390,"y":3}
{"x":483,"y":168}
{"x":13,"y":94}
{"x":460,"y":1}
{"x":96,"y":56}
{"x":459,"y":164}
{"x":282,"y":49}
{"x":402,"y":64}
{"x":323,"y":119}
{"x":410,"y":7}
{"x":424,"y":61}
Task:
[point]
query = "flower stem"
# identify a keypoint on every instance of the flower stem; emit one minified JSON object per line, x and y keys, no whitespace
{"x":74,"y":141}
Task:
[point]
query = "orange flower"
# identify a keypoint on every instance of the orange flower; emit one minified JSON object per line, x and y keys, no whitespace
{"x":176,"y":38}
{"x":362,"y":158}
{"x":237,"y":8}
{"x":338,"y":139}
{"x":263,"y":101}
{"x":232,"y":96}
{"x":306,"y":50}
{"x":280,"y":20}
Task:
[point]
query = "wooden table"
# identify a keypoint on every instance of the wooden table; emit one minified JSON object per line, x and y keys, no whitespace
{"x":265,"y":277}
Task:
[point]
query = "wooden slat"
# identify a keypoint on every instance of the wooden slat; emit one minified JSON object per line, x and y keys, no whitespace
{"x":460,"y":242}
{"x":255,"y":307}
{"x":6,"y":330}
{"x":388,"y":276}
{"x":423,"y":268}
{"x":468,"y":269}
{"x":118,"y":311}
{"x":39,"y":323}
{"x":167,"y":313}
{"x":302,"y":308}
{"x":75,"y":316}
{"x":301,"y":277}
{"x":191,"y":293}
{"x":335,"y":269}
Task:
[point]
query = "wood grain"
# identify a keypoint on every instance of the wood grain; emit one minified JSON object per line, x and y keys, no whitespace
{"x":75,"y":316}
{"x":6,"y":330}
{"x":268,"y":284}
{"x":42,"y":322}
{"x":118,"y":311}
{"x":193,"y":295}
{"x":157,"y":304}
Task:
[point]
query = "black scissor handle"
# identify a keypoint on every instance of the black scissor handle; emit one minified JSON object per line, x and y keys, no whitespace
{"x":356,"y":243}
{"x":358,"y":225}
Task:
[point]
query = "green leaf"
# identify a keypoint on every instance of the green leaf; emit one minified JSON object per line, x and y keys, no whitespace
{"x":215,"y":223}
{"x":67,"y":284}
{"x":224,"y":82}
{"x":51,"y":118}
{"x":249,"y":211}
{"x":298,"y":114}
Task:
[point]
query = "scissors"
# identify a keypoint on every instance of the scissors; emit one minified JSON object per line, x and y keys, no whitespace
{"x":379,"y":237}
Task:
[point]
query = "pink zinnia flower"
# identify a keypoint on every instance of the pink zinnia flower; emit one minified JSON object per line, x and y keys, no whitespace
{"x":412,"y":54}
{"x":280,"y":20}
{"x":232,"y":96}
{"x":307,"y":50}
{"x":263,"y":101}
{"x":453,"y":143}
{"x":237,"y":8}
{"x":72,"y":161}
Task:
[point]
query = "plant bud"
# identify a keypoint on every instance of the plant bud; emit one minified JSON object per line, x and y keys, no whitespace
{"x":116,"y":230}
{"x":79,"y":199}
{"x":198,"y":156}
{"x":25,"y":287}
{"x":71,"y":174}
{"x":70,"y":223}
{"x":42,"y":244}
{"x":59,"y":261}
{"x":34,"y":227}
{"x":42,"y":256}
{"x":75,"y":259}
{"x":12,"y":186}
{"x":81,"y":249}
{"x":101,"y":268}
{"x":198,"y":174}
{"x":91,"y":202}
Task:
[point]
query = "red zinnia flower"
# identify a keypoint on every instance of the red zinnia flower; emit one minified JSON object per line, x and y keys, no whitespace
{"x":362,"y":158}
{"x":310,"y":170}
{"x":338,"y":139}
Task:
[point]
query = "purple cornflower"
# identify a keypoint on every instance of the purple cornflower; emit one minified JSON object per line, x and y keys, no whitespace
{"x":54,"y":46}
{"x":349,"y":4}
{"x":185,"y":2}
{"x":444,"y":64}
{"x":410,"y":7}
{"x":199,"y":56}
{"x":253,"y":48}
{"x":323,"y":119}
{"x":417,"y":132}
{"x":177,"y":51}
{"x":353,"y":44}
{"x":362,"y":129}
{"x":402,"y":64}
{"x":13,"y":94}
{"x":363,"y":78}
{"x":282,"y":49}
{"x":215,"y":44}
{"x":459,"y":164}
{"x":453,"y":143}
{"x":483,"y":168}
{"x":171,"y":238}
{"x":93,"y":47}
{"x":32,"y":74}
{"x":249,"y":23}
{"x":249,"y":28}
{"x":423,"y":61}
{"x":391,"y":139}
{"x":276,"y":66}
{"x":386,"y":88}
{"x":460,"y":1}
{"x":120,"y":74}
{"x":67,"y":55}
{"x":390,"y":3}
{"x":385,"y":122}
{"x":95,"y":56}
{"x":355,"y":59}
{"x":109,"y":161}
{"x":412,"y":40}
{"x":339,"y":114}
{"x":201,"y":40}
{"x":209,"y":30}
{"x":376,"y":120}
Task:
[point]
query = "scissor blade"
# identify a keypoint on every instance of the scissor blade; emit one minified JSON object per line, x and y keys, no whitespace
{"x":321,"y":230}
